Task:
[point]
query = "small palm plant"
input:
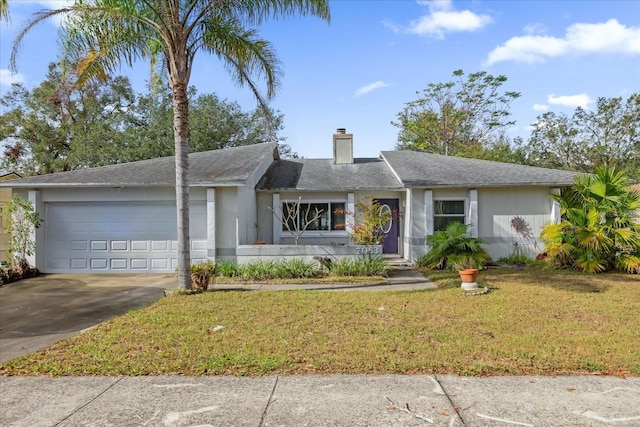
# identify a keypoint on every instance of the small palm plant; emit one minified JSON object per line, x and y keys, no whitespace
{"x":453,"y":249}
{"x":597,"y":231}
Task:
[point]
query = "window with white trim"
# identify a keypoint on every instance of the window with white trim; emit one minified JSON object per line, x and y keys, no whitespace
{"x":446,"y":212}
{"x":320,"y":216}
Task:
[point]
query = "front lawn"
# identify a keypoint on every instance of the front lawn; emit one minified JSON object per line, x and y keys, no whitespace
{"x":532,"y":322}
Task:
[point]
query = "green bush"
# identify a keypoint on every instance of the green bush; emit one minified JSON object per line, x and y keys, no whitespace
{"x":452,"y":248}
{"x":269,"y":270}
{"x":518,"y":259}
{"x":597,"y":231}
{"x":299,"y":269}
{"x":365,"y":266}
{"x":227,"y":269}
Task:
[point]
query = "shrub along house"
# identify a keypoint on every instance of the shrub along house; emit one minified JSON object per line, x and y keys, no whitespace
{"x":121,"y":218}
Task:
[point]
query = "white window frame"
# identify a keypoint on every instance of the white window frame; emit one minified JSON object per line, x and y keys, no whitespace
{"x":318,"y":233}
{"x":464,"y":215}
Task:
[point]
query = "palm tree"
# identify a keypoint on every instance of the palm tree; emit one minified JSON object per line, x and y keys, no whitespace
{"x":597,"y":231}
{"x":4,"y":10}
{"x":100,"y":35}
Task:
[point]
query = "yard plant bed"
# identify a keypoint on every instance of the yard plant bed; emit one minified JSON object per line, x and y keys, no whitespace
{"x":532,"y":322}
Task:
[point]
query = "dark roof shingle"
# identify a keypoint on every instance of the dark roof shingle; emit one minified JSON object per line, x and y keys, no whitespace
{"x":230,"y":166}
{"x":417,"y":169}
{"x":325,"y":175}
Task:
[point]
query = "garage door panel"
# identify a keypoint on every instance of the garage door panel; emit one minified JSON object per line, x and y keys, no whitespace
{"x":99,"y":263}
{"x":118,"y":237}
{"x":119,"y":245}
{"x":99,"y":245}
{"x":119,"y":264}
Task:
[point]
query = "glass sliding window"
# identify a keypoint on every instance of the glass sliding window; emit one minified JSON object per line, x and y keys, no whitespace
{"x":338,"y":217}
{"x":315,"y":216}
{"x":447,"y":211}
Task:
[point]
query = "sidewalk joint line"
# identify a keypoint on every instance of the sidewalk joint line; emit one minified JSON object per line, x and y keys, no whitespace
{"x":89,"y":402}
{"x":455,"y":408}
{"x":269,"y":402}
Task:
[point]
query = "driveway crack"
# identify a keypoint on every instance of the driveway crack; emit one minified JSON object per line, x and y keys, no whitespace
{"x":89,"y":402}
{"x":269,"y":402}
{"x":455,"y":408}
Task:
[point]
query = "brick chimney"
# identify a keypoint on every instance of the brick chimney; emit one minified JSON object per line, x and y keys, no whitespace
{"x":342,"y":147}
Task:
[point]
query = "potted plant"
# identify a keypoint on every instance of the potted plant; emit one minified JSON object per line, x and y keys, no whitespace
{"x":467,"y":266}
{"x":201,"y":274}
{"x":453,"y":249}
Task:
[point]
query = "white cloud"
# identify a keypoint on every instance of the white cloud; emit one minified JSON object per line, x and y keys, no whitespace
{"x":537,"y":28}
{"x":582,"y":100}
{"x":540,"y":107}
{"x":7,"y":78}
{"x":580,"y":39}
{"x":442,"y":18}
{"x":370,"y":88}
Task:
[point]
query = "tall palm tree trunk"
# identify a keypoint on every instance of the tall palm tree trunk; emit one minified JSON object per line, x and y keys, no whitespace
{"x":181,"y":142}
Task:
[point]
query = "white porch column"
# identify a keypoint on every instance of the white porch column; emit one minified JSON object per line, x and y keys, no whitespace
{"x":473,"y":213}
{"x":211,"y":223}
{"x":428,"y":212}
{"x":407,"y":231}
{"x":277,"y":225}
{"x":555,"y":210}
{"x":37,"y":235}
{"x":351,"y":210}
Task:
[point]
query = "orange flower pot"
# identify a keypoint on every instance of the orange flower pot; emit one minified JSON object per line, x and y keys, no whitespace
{"x":468,"y":275}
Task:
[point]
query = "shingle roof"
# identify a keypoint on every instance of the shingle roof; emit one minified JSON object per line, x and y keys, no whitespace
{"x":324,"y":175}
{"x":417,"y":169}
{"x":230,"y":166}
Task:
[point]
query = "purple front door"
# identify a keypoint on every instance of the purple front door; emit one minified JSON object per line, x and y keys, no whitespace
{"x":391,"y":229}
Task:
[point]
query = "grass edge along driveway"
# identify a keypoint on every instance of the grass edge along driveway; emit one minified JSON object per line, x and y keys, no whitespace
{"x":538,"y":322}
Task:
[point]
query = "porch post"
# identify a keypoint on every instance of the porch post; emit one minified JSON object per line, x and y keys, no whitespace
{"x":428,"y":212}
{"x":277,"y":226}
{"x":473,"y":212}
{"x":211,"y":223}
{"x":38,"y":258}
{"x":351,"y":209}
{"x":555,"y":210}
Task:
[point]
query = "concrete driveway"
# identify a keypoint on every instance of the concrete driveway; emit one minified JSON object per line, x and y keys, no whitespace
{"x":37,"y":312}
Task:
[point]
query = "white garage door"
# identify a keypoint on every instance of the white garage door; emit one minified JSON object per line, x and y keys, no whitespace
{"x":118,"y":237}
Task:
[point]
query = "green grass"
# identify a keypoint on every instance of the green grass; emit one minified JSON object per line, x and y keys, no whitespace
{"x":533,"y":321}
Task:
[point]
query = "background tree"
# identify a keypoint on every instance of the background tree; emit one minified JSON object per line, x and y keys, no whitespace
{"x":214,"y":124}
{"x":106,"y":33}
{"x":597,"y":231}
{"x":608,"y":136}
{"x":60,"y":126}
{"x":502,"y":149}
{"x":449,"y":118}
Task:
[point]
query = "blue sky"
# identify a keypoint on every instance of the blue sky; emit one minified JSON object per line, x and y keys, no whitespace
{"x":360,"y":70}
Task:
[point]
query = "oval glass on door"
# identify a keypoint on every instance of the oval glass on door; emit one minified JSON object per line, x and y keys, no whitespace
{"x":385,"y":210}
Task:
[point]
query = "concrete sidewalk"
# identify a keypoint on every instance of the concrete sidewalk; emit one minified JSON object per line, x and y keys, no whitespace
{"x":334,"y":400}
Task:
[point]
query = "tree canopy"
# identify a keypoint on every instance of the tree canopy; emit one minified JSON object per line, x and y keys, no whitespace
{"x":452,"y":117}
{"x":59,"y":126}
{"x":608,"y":136}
